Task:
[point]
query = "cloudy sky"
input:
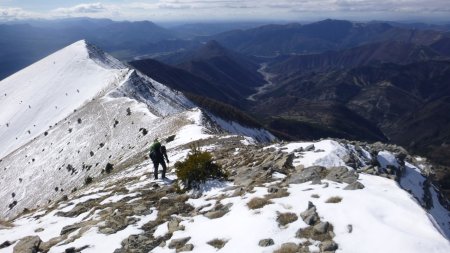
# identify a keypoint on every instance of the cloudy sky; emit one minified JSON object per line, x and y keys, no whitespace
{"x":198,"y":10}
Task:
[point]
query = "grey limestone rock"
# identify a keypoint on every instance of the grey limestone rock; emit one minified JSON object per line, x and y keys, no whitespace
{"x":328,"y":246}
{"x":266,"y":242}
{"x":187,"y":247}
{"x":313,"y":173}
{"x":354,"y":186}
{"x":178,"y":243}
{"x":28,"y":244}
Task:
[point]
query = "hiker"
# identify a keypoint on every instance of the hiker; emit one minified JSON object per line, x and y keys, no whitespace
{"x":157,"y":154}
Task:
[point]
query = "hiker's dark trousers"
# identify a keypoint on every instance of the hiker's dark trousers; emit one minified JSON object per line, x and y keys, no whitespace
{"x":156,"y":165}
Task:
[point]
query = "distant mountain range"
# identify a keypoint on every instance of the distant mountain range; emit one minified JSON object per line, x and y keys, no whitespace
{"x":333,"y":78}
{"x":272,"y":40}
{"x":25,"y":42}
{"x":374,"y":81}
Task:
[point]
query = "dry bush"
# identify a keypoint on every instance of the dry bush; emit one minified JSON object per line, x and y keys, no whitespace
{"x":285,"y":218}
{"x":279,"y":194}
{"x":335,"y":199}
{"x":7,"y":224}
{"x":217,"y":243}
{"x":256,"y":203}
{"x":316,"y":196}
{"x":287,"y":248}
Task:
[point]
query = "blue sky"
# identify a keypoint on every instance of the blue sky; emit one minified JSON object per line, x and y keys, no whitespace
{"x":179,"y":10}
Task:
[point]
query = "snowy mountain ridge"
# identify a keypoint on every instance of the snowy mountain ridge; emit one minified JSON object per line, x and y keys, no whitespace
{"x":49,"y":90}
{"x":68,"y":116}
{"x":85,"y":184}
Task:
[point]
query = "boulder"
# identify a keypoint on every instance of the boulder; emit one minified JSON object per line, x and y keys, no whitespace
{"x":266,"y":242}
{"x":5,"y":244}
{"x":313,"y":173}
{"x":174,"y":225}
{"x":70,"y":228}
{"x":328,"y":246}
{"x":288,"y":247}
{"x":178,"y":243}
{"x":310,"y":215}
{"x":187,"y":247}
{"x":354,"y":186}
{"x":309,"y":148}
{"x":321,"y":227}
{"x":218,"y":211}
{"x":349,"y":228}
{"x":29,"y":244}
{"x":342,"y":175}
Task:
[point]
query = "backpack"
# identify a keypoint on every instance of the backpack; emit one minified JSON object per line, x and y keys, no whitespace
{"x":155,"y":148}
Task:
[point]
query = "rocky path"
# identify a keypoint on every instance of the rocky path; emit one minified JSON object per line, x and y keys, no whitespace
{"x":272,"y":203}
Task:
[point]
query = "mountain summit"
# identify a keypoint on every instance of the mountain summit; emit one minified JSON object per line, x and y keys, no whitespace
{"x":48,"y":91}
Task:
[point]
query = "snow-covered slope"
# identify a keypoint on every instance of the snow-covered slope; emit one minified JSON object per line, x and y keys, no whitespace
{"x":325,"y":196}
{"x":42,"y":94}
{"x":131,"y":212}
{"x":68,"y":116}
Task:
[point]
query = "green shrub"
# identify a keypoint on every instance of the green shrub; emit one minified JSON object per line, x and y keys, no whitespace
{"x":197,"y":168}
{"x":170,"y":138}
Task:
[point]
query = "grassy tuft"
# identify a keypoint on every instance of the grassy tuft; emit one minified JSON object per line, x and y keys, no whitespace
{"x":217,"y":243}
{"x":285,"y":218}
{"x":335,"y":199}
{"x":256,"y":203}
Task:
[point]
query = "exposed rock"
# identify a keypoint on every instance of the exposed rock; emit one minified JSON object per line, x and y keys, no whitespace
{"x":187,"y":247}
{"x":45,"y":246}
{"x":342,"y":174}
{"x":318,"y":234}
{"x":354,"y":186}
{"x":310,"y":148}
{"x":273,"y":189}
{"x":349,"y":228}
{"x":5,"y":244}
{"x":218,"y":211}
{"x":167,"y":207}
{"x":288,"y":247}
{"x":29,"y":244}
{"x":107,"y":231}
{"x":321,"y":227}
{"x":217,"y":243}
{"x":70,"y":228}
{"x":140,"y":243}
{"x":310,"y":216}
{"x":79,"y":208}
{"x":316,"y":181}
{"x":266,"y":242}
{"x":174,"y":225}
{"x":247,"y":176}
{"x":284,"y":163}
{"x":141,"y":210}
{"x":307,"y":174}
{"x":178,"y":243}
{"x":328,"y":246}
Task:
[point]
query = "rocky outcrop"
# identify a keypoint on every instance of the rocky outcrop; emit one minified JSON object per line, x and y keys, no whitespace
{"x":317,"y":230}
{"x":29,"y":244}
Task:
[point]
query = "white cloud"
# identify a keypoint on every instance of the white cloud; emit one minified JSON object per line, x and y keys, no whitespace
{"x":9,"y":14}
{"x":82,"y":9}
{"x":246,"y":9}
